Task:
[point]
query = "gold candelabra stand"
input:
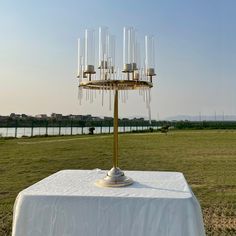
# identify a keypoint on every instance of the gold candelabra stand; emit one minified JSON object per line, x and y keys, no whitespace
{"x":115,"y":177}
{"x":137,"y":76}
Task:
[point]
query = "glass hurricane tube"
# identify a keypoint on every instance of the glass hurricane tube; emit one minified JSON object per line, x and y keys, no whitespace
{"x":130,"y":51}
{"x":89,"y":60}
{"x":103,"y":47}
{"x":106,"y":54}
{"x":149,"y":56}
{"x":80,"y":74}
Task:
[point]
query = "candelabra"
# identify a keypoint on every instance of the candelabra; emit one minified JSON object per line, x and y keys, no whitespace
{"x":106,"y":76}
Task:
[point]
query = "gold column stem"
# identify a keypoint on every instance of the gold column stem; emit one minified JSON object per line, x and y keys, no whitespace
{"x":115,"y":131}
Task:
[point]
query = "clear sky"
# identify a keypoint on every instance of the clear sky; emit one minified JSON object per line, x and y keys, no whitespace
{"x":195,"y":54}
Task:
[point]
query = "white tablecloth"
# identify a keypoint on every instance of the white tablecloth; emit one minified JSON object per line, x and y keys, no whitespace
{"x":68,"y":203}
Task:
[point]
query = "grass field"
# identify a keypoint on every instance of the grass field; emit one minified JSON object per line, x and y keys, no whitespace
{"x":207,"y":159}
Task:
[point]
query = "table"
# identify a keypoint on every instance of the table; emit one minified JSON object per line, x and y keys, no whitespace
{"x":68,"y":203}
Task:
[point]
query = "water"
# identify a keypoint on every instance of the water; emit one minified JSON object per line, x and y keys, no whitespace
{"x":27,"y":131}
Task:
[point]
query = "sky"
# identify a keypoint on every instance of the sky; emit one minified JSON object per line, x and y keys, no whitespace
{"x":195,"y":55}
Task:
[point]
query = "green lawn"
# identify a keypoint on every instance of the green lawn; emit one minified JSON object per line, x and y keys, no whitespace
{"x":207,"y":159}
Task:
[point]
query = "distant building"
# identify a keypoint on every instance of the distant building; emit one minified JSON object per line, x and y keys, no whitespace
{"x":138,"y":119}
{"x":108,"y":118}
{"x":56,"y":116}
{"x":14,"y":115}
{"x":86,"y":117}
{"x":72,"y":116}
{"x":4,"y":118}
{"x":96,"y":118}
{"x":67,"y":117}
{"x":41,"y":116}
{"x":79,"y":117}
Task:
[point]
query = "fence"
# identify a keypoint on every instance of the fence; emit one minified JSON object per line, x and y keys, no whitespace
{"x":37,"y":128}
{"x":19,"y":128}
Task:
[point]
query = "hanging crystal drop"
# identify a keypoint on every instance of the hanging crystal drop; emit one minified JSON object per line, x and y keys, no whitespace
{"x":110,"y":99}
{"x":79,"y":94}
{"x":144,"y":95}
{"x":86,"y":95}
{"x":150,"y":96}
{"x":102,"y":95}
{"x":147,"y":98}
{"x":127,"y":94}
{"x":149,"y":107}
{"x":91,"y":96}
{"x":141,"y":91}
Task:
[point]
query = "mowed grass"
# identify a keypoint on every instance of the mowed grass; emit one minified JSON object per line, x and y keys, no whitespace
{"x":207,"y":159}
